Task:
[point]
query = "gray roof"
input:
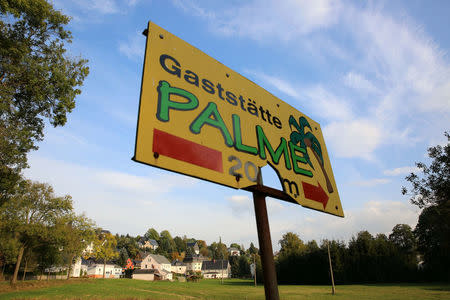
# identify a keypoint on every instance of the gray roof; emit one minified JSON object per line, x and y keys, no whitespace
{"x":145,"y":271}
{"x":160,"y":259}
{"x":215,"y":264}
{"x":153,"y":242}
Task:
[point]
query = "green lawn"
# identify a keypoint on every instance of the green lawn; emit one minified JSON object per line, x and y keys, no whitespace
{"x":212,"y":289}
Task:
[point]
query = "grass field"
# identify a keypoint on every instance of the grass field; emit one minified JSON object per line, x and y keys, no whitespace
{"x":210,"y":289}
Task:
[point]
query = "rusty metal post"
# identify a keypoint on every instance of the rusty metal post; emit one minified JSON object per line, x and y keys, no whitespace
{"x":265,"y":244}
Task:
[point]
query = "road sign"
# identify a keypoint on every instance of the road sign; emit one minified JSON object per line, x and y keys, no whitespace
{"x":198,"y":117}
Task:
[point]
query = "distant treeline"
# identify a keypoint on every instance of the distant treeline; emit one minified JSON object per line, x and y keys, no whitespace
{"x":364,"y":259}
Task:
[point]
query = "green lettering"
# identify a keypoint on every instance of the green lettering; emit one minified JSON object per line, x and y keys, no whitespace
{"x":217,"y":121}
{"x":238,"y":137}
{"x":296,"y":159}
{"x":264,"y":143}
{"x":165,"y":104}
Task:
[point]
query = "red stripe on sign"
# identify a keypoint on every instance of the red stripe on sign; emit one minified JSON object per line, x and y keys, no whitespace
{"x":181,"y":149}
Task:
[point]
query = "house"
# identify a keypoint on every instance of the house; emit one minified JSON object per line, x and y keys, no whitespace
{"x":146,"y":274}
{"x":178,"y":267}
{"x":158,"y":262}
{"x":94,"y":269}
{"x":150,"y":244}
{"x":193,"y":247}
{"x":194,"y":263}
{"x":234,"y":251}
{"x":216,"y":269}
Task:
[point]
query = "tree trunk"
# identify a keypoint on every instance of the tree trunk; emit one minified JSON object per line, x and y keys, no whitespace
{"x":104,"y":267}
{"x":16,"y":269}
{"x":70,"y":266}
{"x":25,"y":269}
{"x":48,"y":275}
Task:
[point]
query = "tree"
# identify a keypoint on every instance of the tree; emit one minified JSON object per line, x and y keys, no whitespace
{"x":31,"y":213}
{"x":152,"y":234}
{"x":77,"y":232}
{"x":38,"y":81}
{"x":252,"y":249}
{"x":291,"y":243}
{"x":180,"y":244}
{"x":105,"y":248}
{"x":403,"y":237}
{"x":431,"y":191}
{"x":123,"y":257}
{"x":166,"y":243}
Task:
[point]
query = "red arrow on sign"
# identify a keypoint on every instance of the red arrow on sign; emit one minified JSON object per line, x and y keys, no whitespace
{"x":315,"y":193}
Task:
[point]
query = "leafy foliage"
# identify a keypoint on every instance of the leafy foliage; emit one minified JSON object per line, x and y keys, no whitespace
{"x":431,"y":191}
{"x":38,"y":80}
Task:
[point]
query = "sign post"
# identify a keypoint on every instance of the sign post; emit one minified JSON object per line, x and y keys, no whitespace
{"x":200,"y":118}
{"x":265,"y":243}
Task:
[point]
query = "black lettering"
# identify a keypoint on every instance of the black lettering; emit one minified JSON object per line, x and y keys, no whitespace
{"x":277,"y":122}
{"x":208,"y":86}
{"x":173,"y":70}
{"x":242,"y":102}
{"x":231,"y":98}
{"x":290,"y":184}
{"x":220,"y":90}
{"x":191,"y":77}
{"x":268,"y":117}
{"x":262,"y":113}
{"x":252,"y":109}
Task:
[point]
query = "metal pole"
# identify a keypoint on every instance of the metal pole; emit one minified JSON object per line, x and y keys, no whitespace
{"x":265,"y":244}
{"x":333,"y":290}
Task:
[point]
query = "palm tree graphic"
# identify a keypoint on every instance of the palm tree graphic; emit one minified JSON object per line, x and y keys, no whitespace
{"x":308,"y":140}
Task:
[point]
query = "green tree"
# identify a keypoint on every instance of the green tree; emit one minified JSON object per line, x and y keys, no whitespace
{"x":431,"y":191}
{"x":38,"y":81}
{"x":31,"y":213}
{"x":105,"y":248}
{"x":77,"y":233}
{"x":129,"y":244}
{"x":180,"y":244}
{"x":152,"y":234}
{"x":291,"y":243}
{"x":166,"y":243}
{"x":403,"y":237}
{"x":252,"y":249}
{"x":123,"y":257}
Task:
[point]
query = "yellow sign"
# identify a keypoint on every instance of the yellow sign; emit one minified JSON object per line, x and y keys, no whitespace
{"x":200,"y":118}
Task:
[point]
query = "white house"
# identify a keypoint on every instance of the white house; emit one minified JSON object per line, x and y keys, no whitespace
{"x":216,"y":269}
{"x":194,"y":263}
{"x":95,"y":270}
{"x":158,"y":262}
{"x":178,"y":267}
{"x":234,"y":251}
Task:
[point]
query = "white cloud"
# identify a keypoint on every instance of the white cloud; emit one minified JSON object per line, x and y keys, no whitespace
{"x":358,"y":82}
{"x":375,"y":217}
{"x":358,"y":138}
{"x":278,"y":83}
{"x":134,"y":47}
{"x":100,"y":6}
{"x":243,"y":205}
{"x":401,"y":171}
{"x":370,"y":182}
{"x":326,"y":104}
{"x":283,"y":20}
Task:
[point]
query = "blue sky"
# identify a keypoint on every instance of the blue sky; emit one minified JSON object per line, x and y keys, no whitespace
{"x":375,"y":75}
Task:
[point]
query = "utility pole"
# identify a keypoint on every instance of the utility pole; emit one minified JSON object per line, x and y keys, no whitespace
{"x":220,"y":243}
{"x":254,"y":270}
{"x":333,"y":290}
